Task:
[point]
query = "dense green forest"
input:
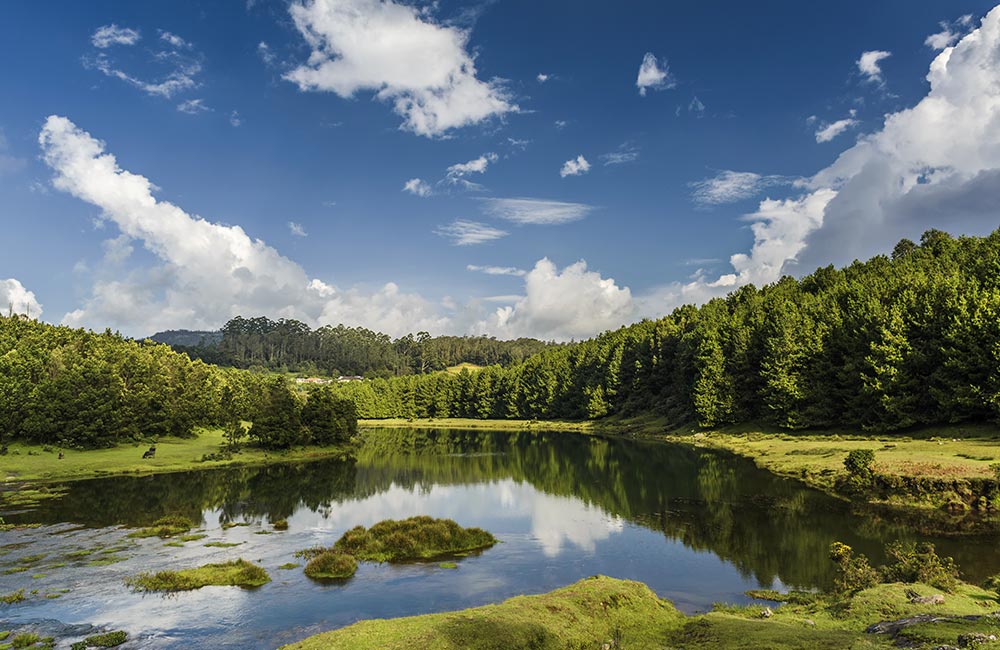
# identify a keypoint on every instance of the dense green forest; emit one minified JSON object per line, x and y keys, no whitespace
{"x":290,"y":345}
{"x":894,"y":342}
{"x":75,"y":388}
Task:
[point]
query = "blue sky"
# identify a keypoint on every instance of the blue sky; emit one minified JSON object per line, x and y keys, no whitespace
{"x":646,"y":144}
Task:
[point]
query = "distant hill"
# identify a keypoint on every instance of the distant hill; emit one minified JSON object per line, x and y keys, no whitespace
{"x":188,"y":338}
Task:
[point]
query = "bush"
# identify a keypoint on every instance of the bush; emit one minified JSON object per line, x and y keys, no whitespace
{"x":992,"y":583}
{"x":853,"y":573}
{"x":859,"y":463}
{"x":330,"y":565}
{"x":281,"y":524}
{"x":920,"y":563}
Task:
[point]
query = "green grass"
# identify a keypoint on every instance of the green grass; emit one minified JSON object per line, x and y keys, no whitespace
{"x":106,"y":560}
{"x":458,"y":368}
{"x":448,"y":565}
{"x":192,"y":538}
{"x":165,"y":527}
{"x":107,"y":640}
{"x":222,"y":544}
{"x":416,"y":538}
{"x":281,"y":524}
{"x":289,"y":565}
{"x":239,"y":573}
{"x":330,"y":565}
{"x":172,"y":455}
{"x":13,"y":597}
{"x":617,"y":614}
{"x":588,"y":614}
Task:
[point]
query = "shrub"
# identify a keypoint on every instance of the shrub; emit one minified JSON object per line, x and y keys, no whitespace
{"x":281,"y":524}
{"x":416,"y":538}
{"x":920,"y":563}
{"x":992,"y":583}
{"x":330,"y":565}
{"x":853,"y":573}
{"x":859,"y":463}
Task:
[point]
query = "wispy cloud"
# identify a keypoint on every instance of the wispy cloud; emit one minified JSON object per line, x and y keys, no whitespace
{"x":297,"y":229}
{"x":869,"y":65}
{"x":456,"y":173}
{"x":536,"y":211}
{"x":467,"y":233}
{"x":950,"y":33}
{"x":194,"y":106}
{"x":497,"y":270}
{"x":418,"y":187}
{"x":110,"y":35}
{"x":626,"y":153}
{"x":653,"y":75}
{"x":730,"y":186}
{"x":828,"y":132}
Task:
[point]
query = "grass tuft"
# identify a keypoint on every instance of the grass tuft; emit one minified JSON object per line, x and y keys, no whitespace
{"x":165,"y":527}
{"x":330,"y":565}
{"x":416,"y":538}
{"x":239,"y":573}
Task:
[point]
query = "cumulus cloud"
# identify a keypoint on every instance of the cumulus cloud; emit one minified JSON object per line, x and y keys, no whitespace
{"x":653,"y":75}
{"x":497,"y":270}
{"x":567,"y":304}
{"x":869,"y":65}
{"x":15,"y":299}
{"x":934,"y":165}
{"x":828,"y":132}
{"x":730,"y":186}
{"x":467,"y":233}
{"x":536,"y":211}
{"x":420,"y":66}
{"x":575,"y":167}
{"x":542,"y":77}
{"x":109,"y":35}
{"x":207,"y":272}
{"x":418,"y":187}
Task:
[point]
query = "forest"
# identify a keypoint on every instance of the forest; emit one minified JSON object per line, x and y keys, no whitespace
{"x":75,"y":388}
{"x":287,"y":345}
{"x":898,"y":341}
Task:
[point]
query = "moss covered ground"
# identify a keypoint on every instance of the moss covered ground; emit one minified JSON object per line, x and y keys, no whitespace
{"x":416,"y":538}
{"x":613,"y":614}
{"x":239,"y":573}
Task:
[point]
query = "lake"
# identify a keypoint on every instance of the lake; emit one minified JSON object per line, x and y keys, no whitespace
{"x":696,"y":526}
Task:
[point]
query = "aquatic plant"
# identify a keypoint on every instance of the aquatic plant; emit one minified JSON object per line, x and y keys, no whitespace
{"x":331,"y":565}
{"x":416,"y":538}
{"x":165,"y":527}
{"x":239,"y":573}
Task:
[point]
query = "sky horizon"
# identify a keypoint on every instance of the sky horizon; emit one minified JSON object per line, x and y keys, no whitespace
{"x":494,"y":167}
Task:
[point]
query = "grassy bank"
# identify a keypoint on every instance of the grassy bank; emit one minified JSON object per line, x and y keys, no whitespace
{"x":603,"y":612}
{"x":36,"y":463}
{"x":930,"y":468}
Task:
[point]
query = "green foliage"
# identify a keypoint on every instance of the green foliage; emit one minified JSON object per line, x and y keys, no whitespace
{"x":331,"y":565}
{"x":416,"y":538}
{"x":913,"y":563}
{"x":25,"y":640}
{"x":278,"y":424}
{"x":328,"y":418}
{"x":859,"y":463}
{"x":235,"y":573}
{"x":854,"y":573}
{"x":881,"y":345}
{"x":13,"y":597}
{"x":164,"y":527}
{"x":992,"y":583}
{"x":106,"y":640}
{"x":281,"y":524}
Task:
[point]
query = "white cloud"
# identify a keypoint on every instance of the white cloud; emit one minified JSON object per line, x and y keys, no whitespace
{"x":561,"y":124}
{"x":208,"y":272}
{"x":652,"y":75}
{"x":173,"y":39}
{"x":542,"y":78}
{"x":109,"y":35}
{"x":417,"y":187}
{"x":235,"y":119}
{"x":935,"y":165}
{"x":420,"y":66}
{"x":536,"y":211}
{"x":15,"y":299}
{"x":869,"y":66}
{"x":696,"y":106}
{"x":949,"y":34}
{"x":575,"y":167}
{"x":266,"y":54}
{"x":497,"y":270}
{"x":457,"y":172}
{"x":830,"y":131}
{"x":117,"y":250}
{"x":182,"y":76}
{"x":297,"y":229}
{"x":626,"y":153}
{"x":567,"y":304}
{"x":729,"y":186}
{"x":466,"y":233}
{"x":193,"y":106}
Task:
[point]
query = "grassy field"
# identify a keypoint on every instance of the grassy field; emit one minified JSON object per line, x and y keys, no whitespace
{"x":603,"y":612}
{"x":454,"y":370}
{"x":33,"y":463}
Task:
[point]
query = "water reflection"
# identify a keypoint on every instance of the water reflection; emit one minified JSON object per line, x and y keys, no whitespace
{"x":697,"y":526}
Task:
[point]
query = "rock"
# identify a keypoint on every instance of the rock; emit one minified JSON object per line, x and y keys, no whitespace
{"x":936,"y":599}
{"x":974,"y":639}
{"x":767,"y":613}
{"x":810,"y":622}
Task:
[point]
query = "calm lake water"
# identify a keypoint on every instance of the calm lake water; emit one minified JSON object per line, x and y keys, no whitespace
{"x":696,"y":526}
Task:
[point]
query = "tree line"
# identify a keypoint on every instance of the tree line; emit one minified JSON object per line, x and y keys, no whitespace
{"x":895,"y":342}
{"x":290,"y":345}
{"x":75,"y":388}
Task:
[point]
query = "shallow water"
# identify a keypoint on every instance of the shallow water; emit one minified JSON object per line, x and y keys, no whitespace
{"x":697,"y":526}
